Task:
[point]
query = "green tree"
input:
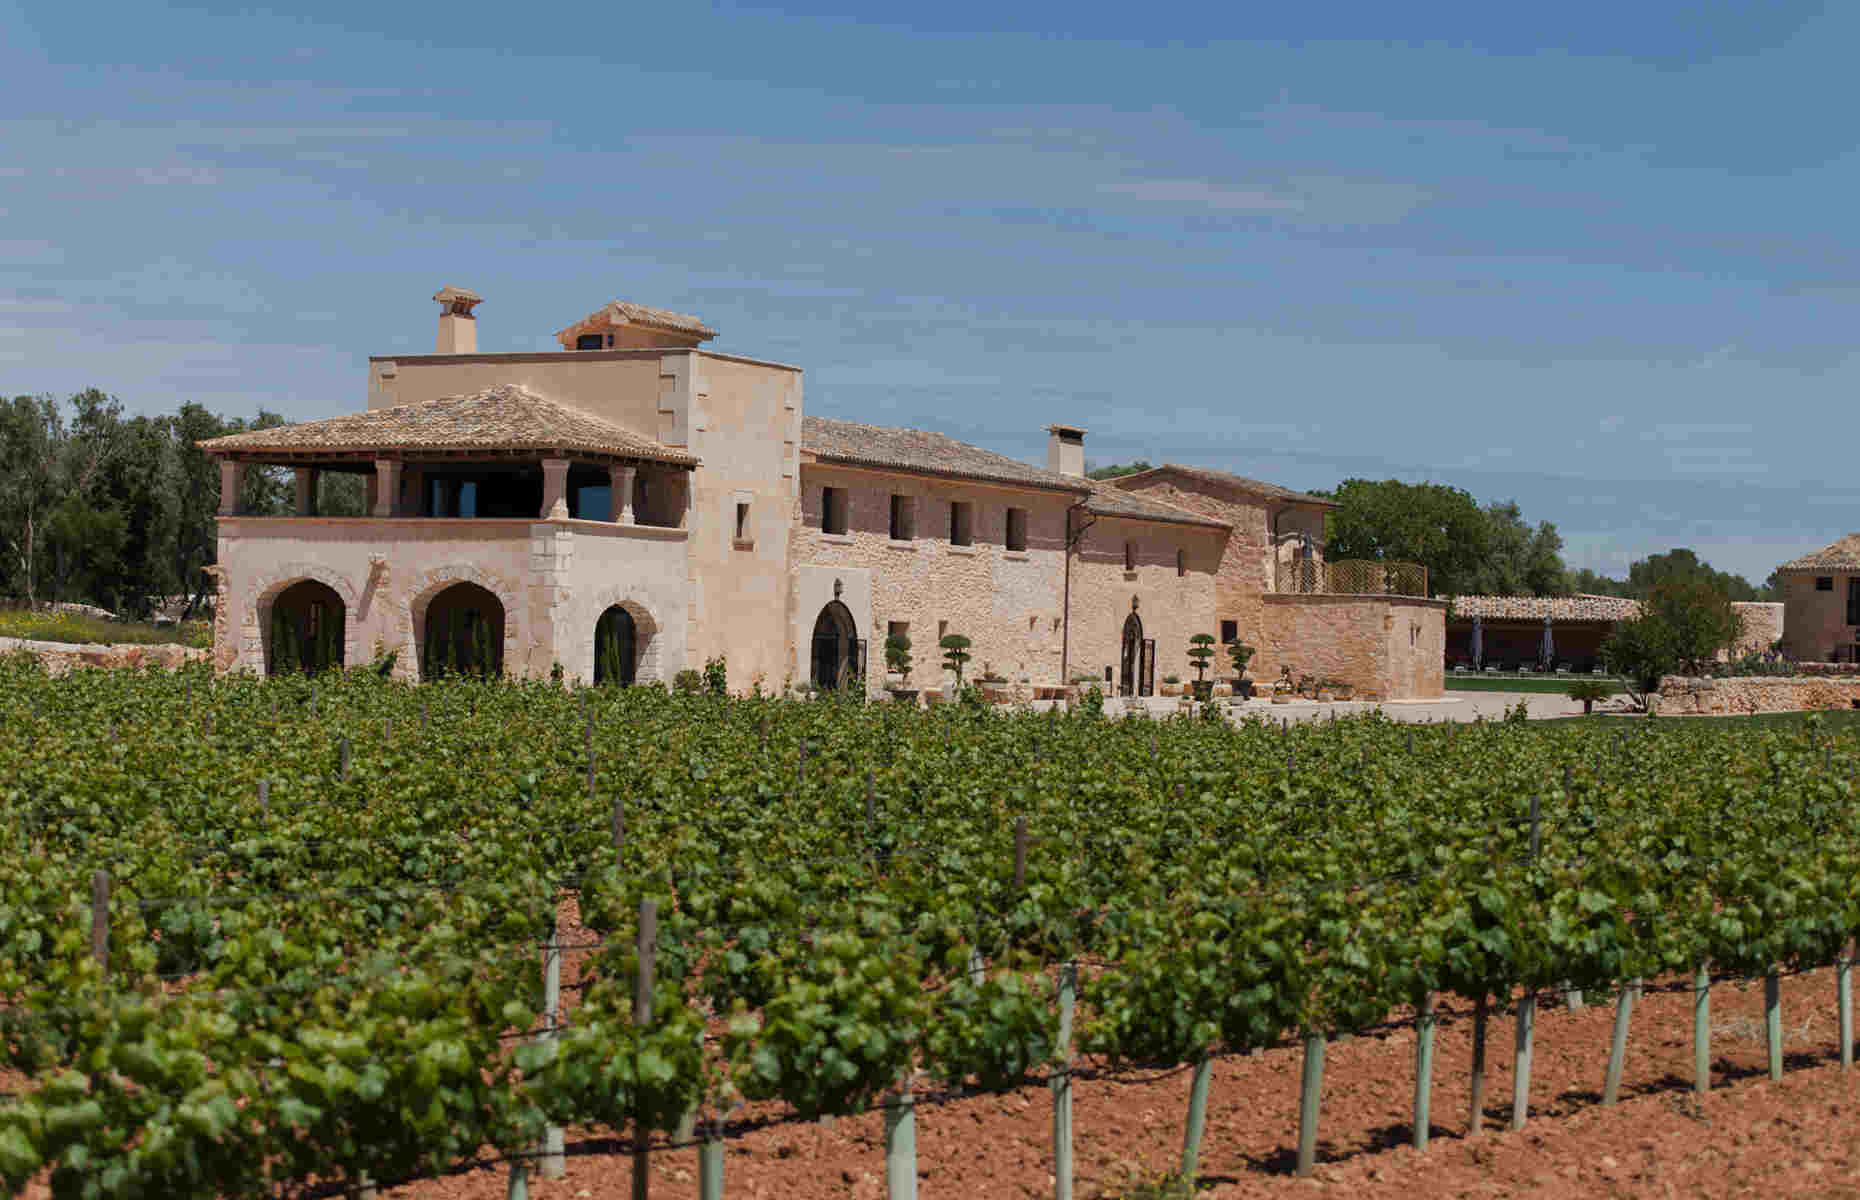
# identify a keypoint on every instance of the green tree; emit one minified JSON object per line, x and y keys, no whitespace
{"x":1519,"y":560}
{"x":955,"y":653}
{"x":1115,"y":470}
{"x":1442,"y":528}
{"x":1682,"y":626}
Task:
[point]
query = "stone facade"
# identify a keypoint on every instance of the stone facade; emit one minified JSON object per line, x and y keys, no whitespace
{"x":1686,"y":696}
{"x":710,"y":535}
{"x":1387,"y":647}
{"x":1815,"y":622}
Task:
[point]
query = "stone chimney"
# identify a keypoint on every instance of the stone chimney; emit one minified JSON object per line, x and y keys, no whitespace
{"x":1065,"y":450}
{"x":458,"y":329}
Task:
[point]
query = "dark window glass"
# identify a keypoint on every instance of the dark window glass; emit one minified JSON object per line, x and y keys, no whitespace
{"x":1824,"y":583}
{"x":1016,"y":529}
{"x":833,"y":510}
{"x":589,"y":341}
{"x":1230,"y":632}
{"x":1853,"y":599}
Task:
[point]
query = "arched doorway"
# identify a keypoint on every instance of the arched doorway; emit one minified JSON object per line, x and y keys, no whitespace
{"x":1132,"y":658}
{"x":306,"y":631}
{"x":838,"y":652}
{"x":616,"y":648}
{"x":463,"y":634}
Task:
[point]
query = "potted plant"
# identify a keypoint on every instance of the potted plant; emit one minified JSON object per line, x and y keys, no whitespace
{"x":1326,"y":690}
{"x":898,"y":662}
{"x":1172,"y":685}
{"x":1343,"y":689}
{"x":1282,"y":687}
{"x":1201,"y":649}
{"x":995,"y":686}
{"x":1241,"y":654}
{"x":1307,"y":686}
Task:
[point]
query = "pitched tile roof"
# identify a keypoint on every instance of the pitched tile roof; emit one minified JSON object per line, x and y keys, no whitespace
{"x":506,"y":417}
{"x":1109,"y":501}
{"x":1271,"y":491}
{"x":921,"y":451}
{"x":624,"y":312}
{"x":1842,"y":555}
{"x":1536,"y":608}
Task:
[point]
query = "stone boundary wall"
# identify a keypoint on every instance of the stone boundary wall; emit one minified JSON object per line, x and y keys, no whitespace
{"x":1682,"y":695}
{"x":61,"y":657}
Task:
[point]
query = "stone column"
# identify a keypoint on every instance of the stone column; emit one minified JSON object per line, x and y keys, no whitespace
{"x":620,"y":484}
{"x":387,"y":487}
{"x":681,"y":500}
{"x":306,"y":491}
{"x":231,"y":474}
{"x":555,"y":487}
{"x":369,"y":492}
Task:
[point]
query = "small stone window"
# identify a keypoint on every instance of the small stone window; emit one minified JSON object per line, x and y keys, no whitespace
{"x":1230,"y":632}
{"x":1853,"y":599}
{"x":1181,"y":562}
{"x":1016,"y":529}
{"x":742,"y":520}
{"x":1824,"y":583}
{"x":903,"y":518}
{"x":961,"y":523}
{"x":833,"y":510}
{"x":1130,"y":556}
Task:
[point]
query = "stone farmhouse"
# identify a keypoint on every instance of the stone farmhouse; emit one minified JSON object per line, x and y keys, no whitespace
{"x":635,"y":504}
{"x":1821,"y":603}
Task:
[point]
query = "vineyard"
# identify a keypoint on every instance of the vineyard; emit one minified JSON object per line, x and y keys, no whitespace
{"x":304,"y":936}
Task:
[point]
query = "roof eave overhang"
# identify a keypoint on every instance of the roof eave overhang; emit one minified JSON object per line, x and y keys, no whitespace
{"x":864,"y":464}
{"x":311,"y":455}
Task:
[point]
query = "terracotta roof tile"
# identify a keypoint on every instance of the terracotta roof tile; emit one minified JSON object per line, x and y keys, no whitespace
{"x":919,"y":450}
{"x":1842,"y":555}
{"x":1109,"y":501}
{"x":506,"y":417}
{"x":1271,"y":491}
{"x":1535,"y":608}
{"x":625,"y":312}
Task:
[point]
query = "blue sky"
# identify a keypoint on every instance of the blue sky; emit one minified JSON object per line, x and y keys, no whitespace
{"x":1599,"y":258}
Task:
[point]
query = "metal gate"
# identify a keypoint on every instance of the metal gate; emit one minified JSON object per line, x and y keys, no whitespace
{"x":1146,"y":685}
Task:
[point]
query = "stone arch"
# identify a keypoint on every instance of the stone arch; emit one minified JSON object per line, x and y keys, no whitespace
{"x":649,"y":663}
{"x":430,"y":583}
{"x":272,"y":583}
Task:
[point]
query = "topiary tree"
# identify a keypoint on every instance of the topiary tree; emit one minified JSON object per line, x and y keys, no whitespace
{"x":1241,"y":654}
{"x":898,"y":655}
{"x":1201,"y":649}
{"x":955,"y":653}
{"x":1588,"y":691}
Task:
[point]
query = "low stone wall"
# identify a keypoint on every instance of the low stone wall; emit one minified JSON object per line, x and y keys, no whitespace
{"x":1682,"y":695}
{"x":61,"y":657}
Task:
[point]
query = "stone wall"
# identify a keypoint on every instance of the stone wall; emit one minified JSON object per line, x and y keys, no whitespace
{"x":1684,"y":696}
{"x":1389,"y":647}
{"x":61,"y":657}
{"x":1008,"y":603}
{"x":1763,"y":625}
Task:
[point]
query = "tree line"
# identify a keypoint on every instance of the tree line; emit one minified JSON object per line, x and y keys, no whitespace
{"x":115,"y":510}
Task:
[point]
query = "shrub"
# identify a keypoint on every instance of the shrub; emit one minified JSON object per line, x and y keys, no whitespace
{"x":688,"y":682}
{"x":1201,"y":649}
{"x":955,"y":653}
{"x":717,"y":676}
{"x":1241,"y":654}
{"x":898,"y":655}
{"x":1092,"y":704}
{"x":1588,"y":691}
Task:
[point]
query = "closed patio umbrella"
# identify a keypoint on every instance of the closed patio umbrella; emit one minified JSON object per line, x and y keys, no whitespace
{"x":1549,"y":647}
{"x":1478,"y":646}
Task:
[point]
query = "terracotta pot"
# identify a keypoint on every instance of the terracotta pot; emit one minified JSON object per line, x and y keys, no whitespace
{"x":1169,"y":689}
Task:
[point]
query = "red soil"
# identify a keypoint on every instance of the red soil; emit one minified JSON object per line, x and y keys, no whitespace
{"x":1747,"y":1135}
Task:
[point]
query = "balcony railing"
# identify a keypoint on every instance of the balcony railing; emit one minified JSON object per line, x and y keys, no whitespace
{"x":1352,"y":577}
